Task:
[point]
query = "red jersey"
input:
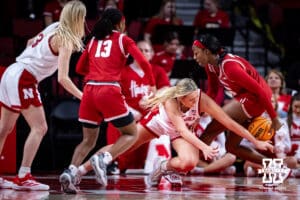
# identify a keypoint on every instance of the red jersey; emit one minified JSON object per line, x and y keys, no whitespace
{"x":153,"y":22}
{"x":103,"y":60}
{"x":165,"y":60}
{"x":135,"y":85}
{"x":160,"y":76}
{"x":204,"y":19}
{"x":239,"y":77}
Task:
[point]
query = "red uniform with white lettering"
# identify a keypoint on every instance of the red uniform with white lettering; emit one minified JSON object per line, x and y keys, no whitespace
{"x":102,"y":62}
{"x":135,"y":85}
{"x":240,"y":78}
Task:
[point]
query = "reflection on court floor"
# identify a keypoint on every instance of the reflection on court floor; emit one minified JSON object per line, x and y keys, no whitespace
{"x":133,"y":187}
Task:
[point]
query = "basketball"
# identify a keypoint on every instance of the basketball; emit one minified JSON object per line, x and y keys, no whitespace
{"x":260,"y":128}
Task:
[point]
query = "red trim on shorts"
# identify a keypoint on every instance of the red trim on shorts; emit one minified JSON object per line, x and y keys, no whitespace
{"x":27,"y":80}
{"x":11,"y":108}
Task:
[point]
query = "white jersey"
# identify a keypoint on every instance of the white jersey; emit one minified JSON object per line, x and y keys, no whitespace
{"x":159,"y":123}
{"x":38,"y":58}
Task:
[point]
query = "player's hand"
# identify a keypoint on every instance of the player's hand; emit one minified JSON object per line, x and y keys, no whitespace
{"x":265,"y":146}
{"x":210,"y":152}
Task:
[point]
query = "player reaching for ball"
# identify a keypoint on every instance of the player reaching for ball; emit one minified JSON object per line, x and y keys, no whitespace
{"x":250,"y":91}
{"x":175,"y":111}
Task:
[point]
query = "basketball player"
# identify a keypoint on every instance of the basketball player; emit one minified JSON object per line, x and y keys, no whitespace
{"x":175,"y":111}
{"x":50,"y":50}
{"x":251,"y":93}
{"x":135,"y":85}
{"x":102,"y":62}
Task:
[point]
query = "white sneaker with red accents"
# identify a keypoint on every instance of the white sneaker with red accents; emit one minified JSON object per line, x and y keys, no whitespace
{"x":5,"y":184}
{"x":174,"y":178}
{"x":28,"y":183}
{"x":154,"y":177}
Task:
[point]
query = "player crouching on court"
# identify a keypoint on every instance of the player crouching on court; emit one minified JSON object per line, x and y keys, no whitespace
{"x":174,"y":112}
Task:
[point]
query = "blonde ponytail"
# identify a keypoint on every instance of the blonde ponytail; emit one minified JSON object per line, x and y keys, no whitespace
{"x":71,"y":25}
{"x":182,"y":88}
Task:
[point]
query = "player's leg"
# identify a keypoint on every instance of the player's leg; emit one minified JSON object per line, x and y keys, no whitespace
{"x":236,"y":111}
{"x":35,"y":117}
{"x":7,"y":123}
{"x":123,"y":144}
{"x":186,"y":159}
{"x":69,"y":178}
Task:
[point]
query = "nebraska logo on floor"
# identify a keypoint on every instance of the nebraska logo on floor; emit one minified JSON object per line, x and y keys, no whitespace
{"x":274,"y":172}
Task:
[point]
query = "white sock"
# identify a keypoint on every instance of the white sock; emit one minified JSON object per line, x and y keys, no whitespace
{"x":107,"y":158}
{"x":23,"y":171}
{"x":73,"y":169}
{"x":82,"y":170}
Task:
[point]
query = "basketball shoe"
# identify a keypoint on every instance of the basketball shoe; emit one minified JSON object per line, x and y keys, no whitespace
{"x":99,"y":168}
{"x":67,"y":182}
{"x":77,"y":178}
{"x":154,"y":177}
{"x":28,"y":183}
{"x":173,"y":178}
{"x":5,"y":184}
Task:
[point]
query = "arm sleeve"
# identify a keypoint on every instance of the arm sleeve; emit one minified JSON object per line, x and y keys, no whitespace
{"x":238,"y":75}
{"x":133,"y":50}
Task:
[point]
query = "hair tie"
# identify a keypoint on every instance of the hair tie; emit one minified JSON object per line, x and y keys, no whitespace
{"x":198,"y":44}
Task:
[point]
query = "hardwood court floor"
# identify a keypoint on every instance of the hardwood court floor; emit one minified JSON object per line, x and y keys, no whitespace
{"x":133,"y":187}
